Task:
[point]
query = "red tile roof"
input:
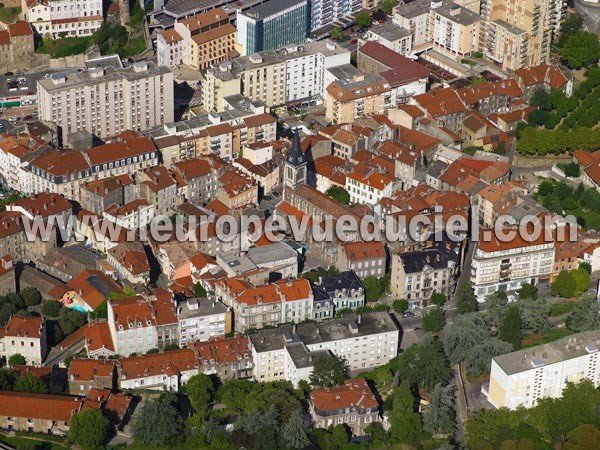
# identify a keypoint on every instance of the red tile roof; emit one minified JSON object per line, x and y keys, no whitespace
{"x":351,"y":393}
{"x":441,"y":102}
{"x":221,"y":350}
{"x":87,"y":369}
{"x":97,"y":337}
{"x":93,"y":286}
{"x":360,"y":251}
{"x":43,"y":204}
{"x":127,"y":147}
{"x":169,"y":363}
{"x":550,"y":75}
{"x":132,"y":310}
{"x":39,"y":406}
{"x":489,"y":243}
{"x":20,"y":28}
{"x":402,"y":70}
{"x":19,"y":326}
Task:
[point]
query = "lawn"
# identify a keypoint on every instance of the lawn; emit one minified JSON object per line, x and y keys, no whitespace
{"x":9,"y":15}
{"x":563,"y":307}
{"x":18,"y":442}
{"x":552,"y":335}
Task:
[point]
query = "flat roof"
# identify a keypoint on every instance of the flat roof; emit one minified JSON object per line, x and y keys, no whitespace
{"x":390,"y":31}
{"x":458,"y":14}
{"x":204,"y":307}
{"x":231,"y":69}
{"x":271,"y":8}
{"x":569,"y":347}
{"x":276,"y":251}
{"x":310,"y":333}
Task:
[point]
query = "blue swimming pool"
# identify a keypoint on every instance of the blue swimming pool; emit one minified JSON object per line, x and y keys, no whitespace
{"x":81,"y":309}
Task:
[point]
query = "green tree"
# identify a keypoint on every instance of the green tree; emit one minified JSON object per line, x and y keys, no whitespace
{"x":328,"y":371}
{"x":583,"y":437}
{"x":585,"y":316}
{"x":31,"y":296}
{"x":233,"y":394}
{"x":581,"y":49}
{"x":400,"y":305}
{"x":534,"y":316}
{"x":339,"y":194}
{"x":88,"y":429}
{"x":51,"y":308}
{"x":377,"y":435}
{"x":69,"y":320}
{"x":465,"y":298}
{"x":582,"y":280}
{"x":363,"y":19}
{"x":527,"y":291}
{"x":28,"y":383}
{"x":17,"y":360}
{"x":434,"y":320}
{"x":510,"y":330}
{"x":422,"y":364}
{"x":201,"y":391}
{"x":404,"y":420}
{"x":340,"y":436}
{"x":546,"y":187}
{"x":438,"y":416}
{"x":294,"y":432}
{"x":159,"y":423}
{"x":540,"y":98}
{"x":585,"y":266}
{"x":374,"y":288}
{"x":438,"y":299}
{"x":337,"y":35}
{"x":388,"y":5}
{"x":7,"y":380}
{"x":571,"y":25}
{"x":199,"y":290}
{"x":564,"y":285}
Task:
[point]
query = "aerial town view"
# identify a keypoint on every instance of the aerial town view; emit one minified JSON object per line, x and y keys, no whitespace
{"x":300,"y":224}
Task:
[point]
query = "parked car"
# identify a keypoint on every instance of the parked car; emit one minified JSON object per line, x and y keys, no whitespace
{"x":408,"y":314}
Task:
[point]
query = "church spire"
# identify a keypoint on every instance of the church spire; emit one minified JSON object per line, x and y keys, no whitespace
{"x":296,"y":157}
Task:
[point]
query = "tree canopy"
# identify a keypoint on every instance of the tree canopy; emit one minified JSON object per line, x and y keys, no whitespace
{"x":363,"y":19}
{"x":581,"y":49}
{"x":16,"y":360}
{"x":28,"y":383}
{"x":159,"y":423}
{"x":88,"y":429}
{"x":328,"y":371}
{"x":465,"y":298}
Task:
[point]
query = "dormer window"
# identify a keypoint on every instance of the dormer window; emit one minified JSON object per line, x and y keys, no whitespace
{"x":121,"y":327}
{"x":130,"y":325}
{"x":149,"y":322}
{"x":139,"y":324}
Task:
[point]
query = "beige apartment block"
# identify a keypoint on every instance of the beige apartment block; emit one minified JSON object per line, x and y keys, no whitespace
{"x":107,"y":98}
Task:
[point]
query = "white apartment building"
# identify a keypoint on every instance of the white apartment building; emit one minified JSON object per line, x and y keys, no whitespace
{"x":392,"y":36}
{"x":107,"y":99}
{"x":305,"y":72}
{"x":521,"y":378}
{"x":364,"y":341}
{"x":285,"y":301}
{"x":68,"y":18}
{"x":25,"y":336}
{"x":326,"y":12}
{"x":369,"y":189}
{"x":158,"y":371}
{"x":415,"y":16}
{"x":135,"y":215}
{"x":132,"y":324}
{"x":201,"y":319}
{"x":274,"y":77}
{"x":505,"y":266}
{"x":455,"y":31}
